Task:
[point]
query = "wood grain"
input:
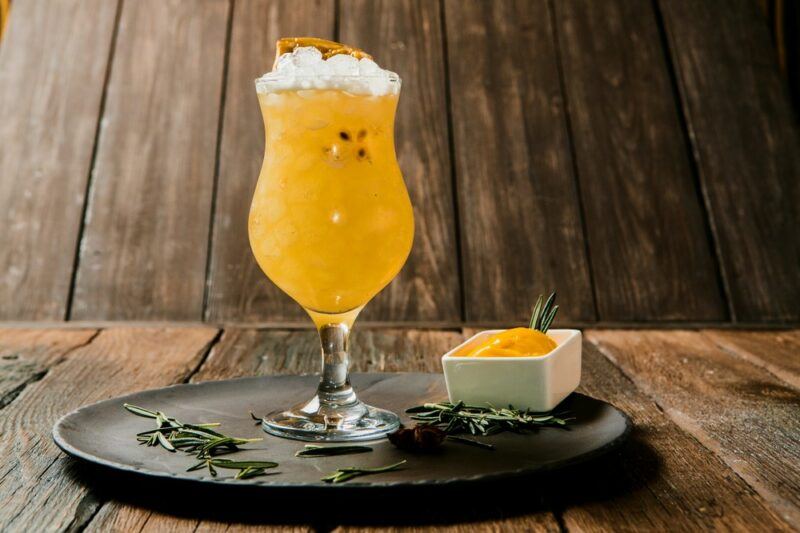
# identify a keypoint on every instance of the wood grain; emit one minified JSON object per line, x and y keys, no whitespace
{"x":52,"y":72}
{"x":247,"y":352}
{"x":27,"y":354}
{"x":116,"y":518}
{"x":776,"y":351}
{"x":406,"y":36}
{"x":538,"y":523}
{"x":250,"y":352}
{"x":747,"y":145}
{"x":662,"y":480}
{"x":741,"y":412}
{"x":238,"y":289}
{"x":143,"y":252}
{"x":520,"y":221}
{"x":40,"y":489}
{"x":644,"y":217}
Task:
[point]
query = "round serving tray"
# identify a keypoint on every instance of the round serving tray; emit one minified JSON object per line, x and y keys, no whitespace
{"x":105,"y":433}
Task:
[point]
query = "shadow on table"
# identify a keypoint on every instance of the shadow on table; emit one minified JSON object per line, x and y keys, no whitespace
{"x":603,"y":479}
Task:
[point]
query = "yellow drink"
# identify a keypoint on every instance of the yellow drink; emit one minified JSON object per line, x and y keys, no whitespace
{"x":331,"y":223}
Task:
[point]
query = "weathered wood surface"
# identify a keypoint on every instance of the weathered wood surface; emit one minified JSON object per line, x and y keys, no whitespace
{"x":777,"y":351}
{"x":747,"y":142}
{"x":238,"y":290}
{"x":521,"y":230}
{"x":711,"y":449}
{"x":52,"y":72}
{"x":247,"y":352}
{"x":37,"y":481}
{"x":628,"y":139}
{"x":744,"y":414}
{"x":407,"y":35}
{"x":26,"y":355}
{"x":143,"y":251}
{"x":663,"y":480}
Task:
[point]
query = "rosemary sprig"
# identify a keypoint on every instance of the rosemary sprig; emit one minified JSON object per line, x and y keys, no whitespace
{"x":543,"y":313}
{"x":247,"y":469}
{"x":199,"y":440}
{"x":345,"y":474}
{"x":476,"y":420}
{"x":312,"y":450}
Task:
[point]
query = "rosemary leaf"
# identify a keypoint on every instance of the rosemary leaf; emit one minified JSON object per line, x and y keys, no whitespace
{"x":227,"y":463}
{"x":201,"y":428}
{"x":140,"y":411}
{"x":164,"y":442}
{"x":543,"y":313}
{"x":345,"y":474}
{"x":197,"y":466}
{"x":537,"y":309}
{"x":253,"y":472}
{"x":327,"y":451}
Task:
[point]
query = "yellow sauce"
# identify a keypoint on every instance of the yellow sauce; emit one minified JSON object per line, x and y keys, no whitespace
{"x":516,"y":342}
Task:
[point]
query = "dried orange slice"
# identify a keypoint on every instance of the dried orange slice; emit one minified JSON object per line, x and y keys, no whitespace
{"x":328,"y":48}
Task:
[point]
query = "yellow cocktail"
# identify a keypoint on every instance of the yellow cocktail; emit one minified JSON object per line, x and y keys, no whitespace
{"x":331,"y":223}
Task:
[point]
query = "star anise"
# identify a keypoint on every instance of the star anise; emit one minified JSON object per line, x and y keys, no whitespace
{"x":420,"y":438}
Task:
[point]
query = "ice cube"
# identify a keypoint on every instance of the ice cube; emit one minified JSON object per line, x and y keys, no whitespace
{"x":285,"y":63}
{"x":367,"y":67}
{"x":306,"y":56}
{"x":343,"y":65}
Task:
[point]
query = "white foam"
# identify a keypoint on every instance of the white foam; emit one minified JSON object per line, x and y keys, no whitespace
{"x":304,"y":68}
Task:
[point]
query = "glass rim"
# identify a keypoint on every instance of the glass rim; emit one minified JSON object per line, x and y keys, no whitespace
{"x":393,"y":78}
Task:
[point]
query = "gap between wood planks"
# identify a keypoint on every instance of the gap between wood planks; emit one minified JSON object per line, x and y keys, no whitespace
{"x":9,"y":396}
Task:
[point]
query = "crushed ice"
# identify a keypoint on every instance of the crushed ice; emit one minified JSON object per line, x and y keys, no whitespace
{"x":304,"y":68}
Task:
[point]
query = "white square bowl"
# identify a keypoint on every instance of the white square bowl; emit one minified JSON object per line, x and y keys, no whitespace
{"x":535,"y":383}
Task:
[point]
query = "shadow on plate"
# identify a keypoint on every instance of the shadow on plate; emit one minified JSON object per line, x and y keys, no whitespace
{"x":605,"y":478}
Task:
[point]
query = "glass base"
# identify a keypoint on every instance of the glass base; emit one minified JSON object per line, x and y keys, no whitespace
{"x":311,"y":421}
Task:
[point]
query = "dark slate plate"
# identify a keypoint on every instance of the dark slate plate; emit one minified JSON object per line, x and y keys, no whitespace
{"x":104,"y":433}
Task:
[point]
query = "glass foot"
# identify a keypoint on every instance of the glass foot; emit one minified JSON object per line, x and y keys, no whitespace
{"x":314,"y":422}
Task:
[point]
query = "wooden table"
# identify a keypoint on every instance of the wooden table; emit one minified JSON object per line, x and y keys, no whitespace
{"x":716,"y":442}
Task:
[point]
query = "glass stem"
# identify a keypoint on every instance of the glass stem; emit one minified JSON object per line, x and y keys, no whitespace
{"x":334,"y":386}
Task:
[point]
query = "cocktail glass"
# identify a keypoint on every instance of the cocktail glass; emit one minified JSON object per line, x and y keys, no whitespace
{"x":330,"y":224}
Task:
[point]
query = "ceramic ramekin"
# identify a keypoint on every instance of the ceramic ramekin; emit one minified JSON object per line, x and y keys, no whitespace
{"x":535,"y":383}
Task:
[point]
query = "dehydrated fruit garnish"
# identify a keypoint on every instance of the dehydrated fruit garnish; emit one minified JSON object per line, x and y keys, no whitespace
{"x":286,"y":45}
{"x":420,"y":438}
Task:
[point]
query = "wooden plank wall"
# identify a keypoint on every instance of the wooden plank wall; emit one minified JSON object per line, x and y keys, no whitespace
{"x":643,"y":158}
